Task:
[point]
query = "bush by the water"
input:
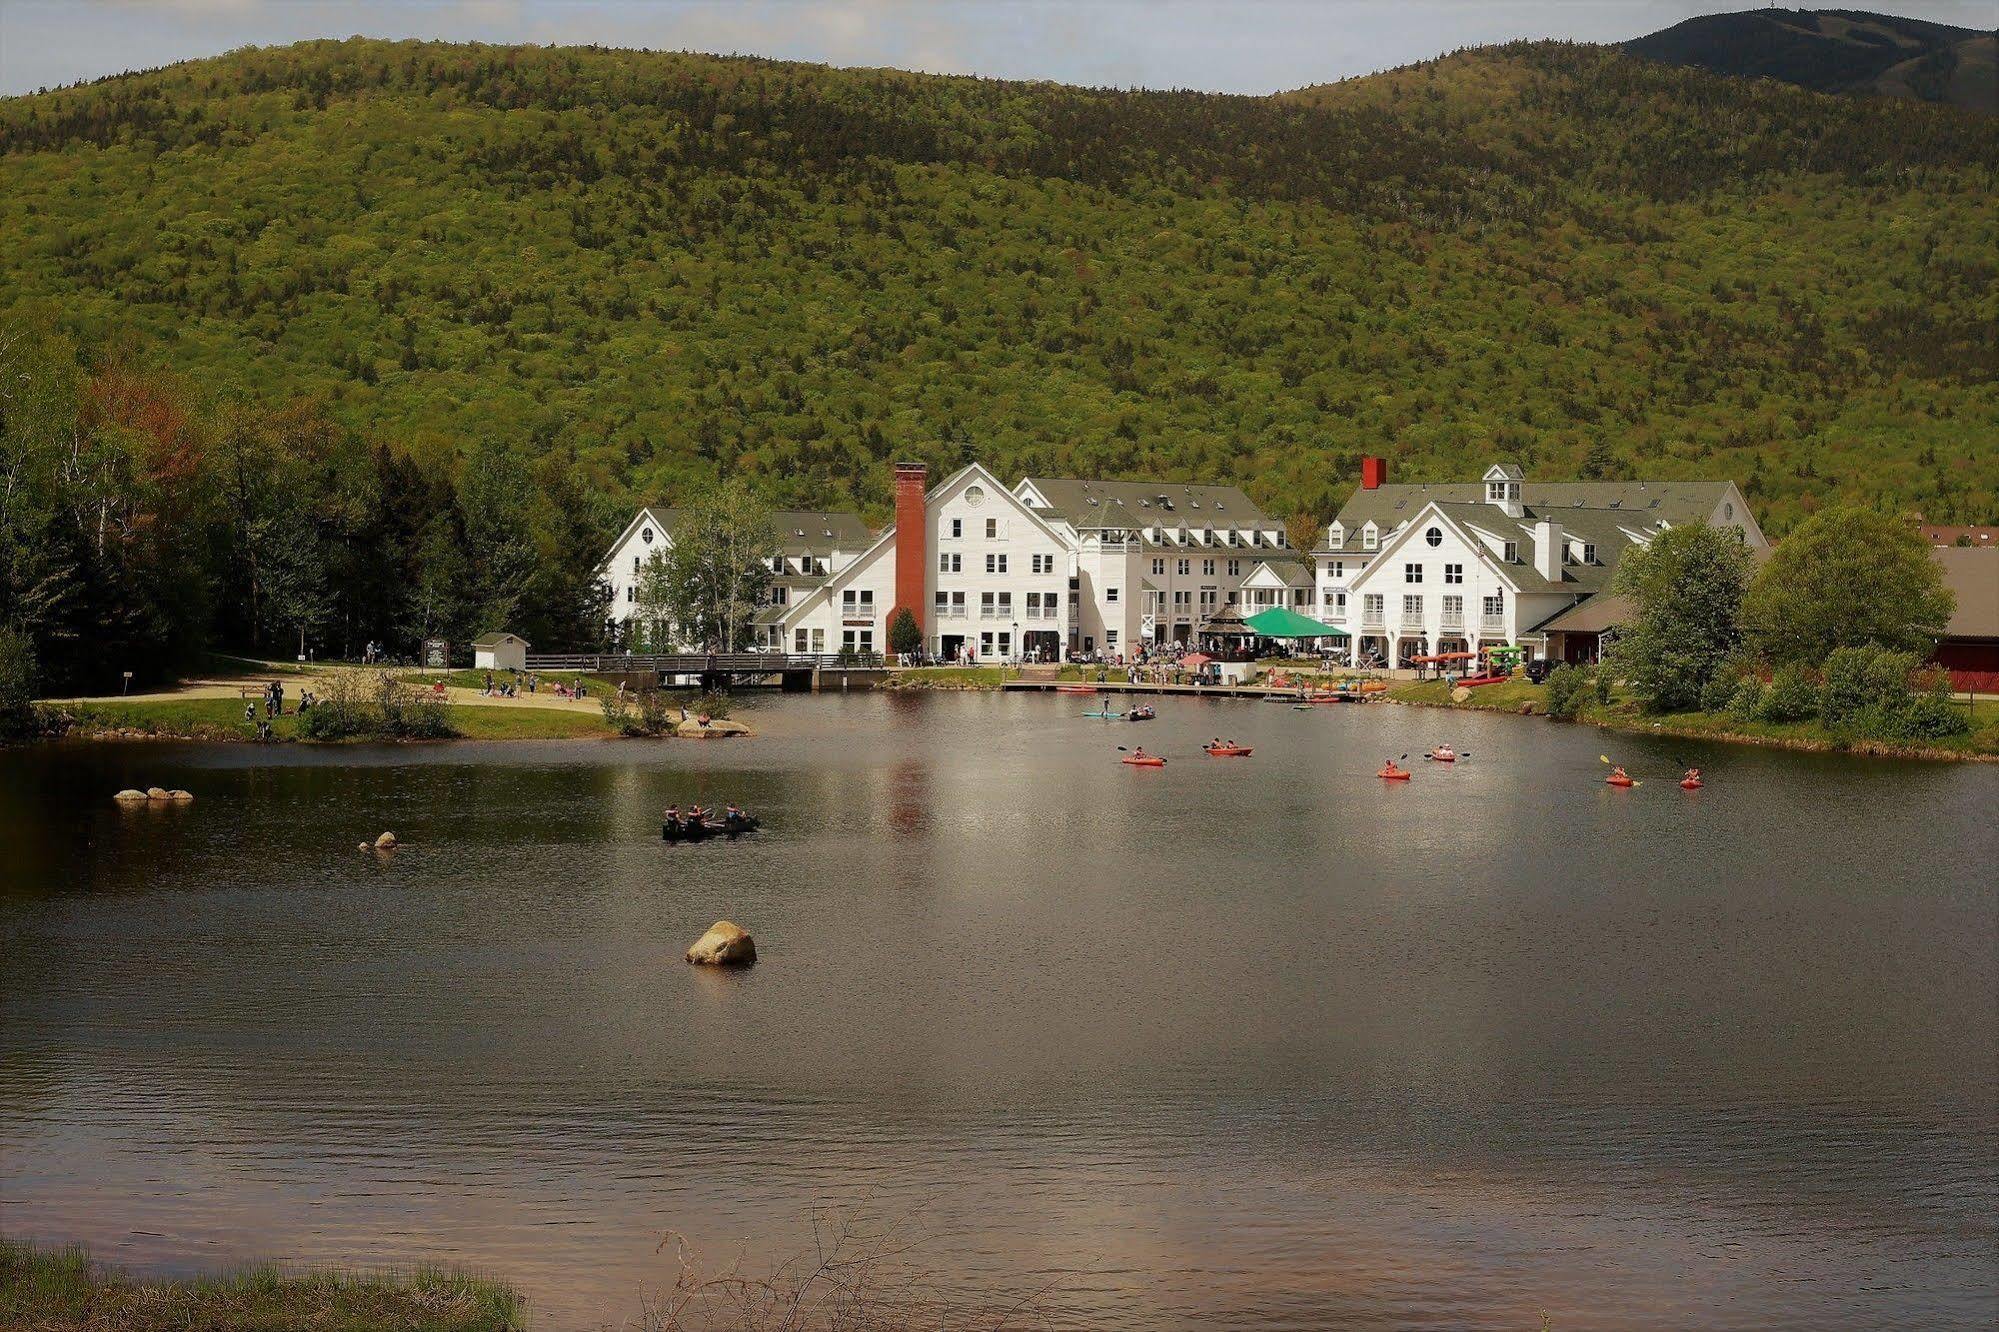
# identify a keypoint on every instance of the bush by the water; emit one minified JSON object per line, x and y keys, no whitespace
{"x":1861,"y":678}
{"x":1565,"y":692}
{"x":1719,"y":692}
{"x":1745,"y":703}
{"x":17,"y":685}
{"x":1793,"y":695}
{"x":343,"y":711}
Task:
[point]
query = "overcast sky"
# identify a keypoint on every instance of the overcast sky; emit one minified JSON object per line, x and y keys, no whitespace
{"x":1251,"y":46}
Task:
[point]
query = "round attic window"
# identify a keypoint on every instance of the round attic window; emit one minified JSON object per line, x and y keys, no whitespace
{"x":1435,"y":536}
{"x":1728,"y":510}
{"x":975,"y":496}
{"x":645,"y":535}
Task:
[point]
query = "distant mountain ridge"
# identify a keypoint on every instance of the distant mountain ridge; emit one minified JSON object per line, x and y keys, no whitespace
{"x":1838,"y":51}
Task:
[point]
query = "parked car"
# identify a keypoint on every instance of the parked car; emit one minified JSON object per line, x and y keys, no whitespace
{"x":1538,"y":670}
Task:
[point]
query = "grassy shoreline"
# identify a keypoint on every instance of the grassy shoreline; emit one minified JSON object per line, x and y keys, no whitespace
{"x":62,"y":1290}
{"x":1980,"y":745}
{"x":222,"y":719}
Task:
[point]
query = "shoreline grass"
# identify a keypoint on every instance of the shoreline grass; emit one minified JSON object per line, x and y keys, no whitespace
{"x":222,"y":719}
{"x":1980,"y":744}
{"x":62,"y":1290}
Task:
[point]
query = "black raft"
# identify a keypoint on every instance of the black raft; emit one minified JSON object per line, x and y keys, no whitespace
{"x":699,"y":825}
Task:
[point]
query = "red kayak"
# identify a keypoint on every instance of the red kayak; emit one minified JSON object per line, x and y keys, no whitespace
{"x":1145,"y":761}
{"x":1691,"y":783}
{"x":1618,"y":781}
{"x":1075,"y":689}
{"x":1227,"y":751}
{"x":1393,"y":775}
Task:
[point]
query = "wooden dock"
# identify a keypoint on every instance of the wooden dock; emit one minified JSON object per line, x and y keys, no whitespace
{"x":1289,"y":693}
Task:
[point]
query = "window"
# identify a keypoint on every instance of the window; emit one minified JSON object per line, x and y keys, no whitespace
{"x":1454,"y":573}
{"x":986,"y":611}
{"x":798,"y":643}
{"x":1511,"y":553}
{"x":1495,"y":606}
{"x":1589,"y":552}
{"x":1370,"y":537}
{"x":1454,"y":610}
{"x":995,"y":563}
{"x":1434,"y":537}
{"x":645,"y":534}
{"x":1110,"y":638}
{"x":1727,"y":511}
{"x":975,"y":495}
{"x":1183,"y":603}
{"x":1371,"y":605}
{"x":1185,"y":567}
{"x":992,"y":528}
{"x":632,"y":593}
{"x":1159,"y":566}
{"x":1005,"y":605}
{"x":635,"y":564}
{"x":1412,"y":607}
{"x":1412,"y":573}
{"x":857,"y":603}
{"x":1208,"y":600}
{"x":957,"y":527}
{"x":1207,"y":568}
{"x":950,"y":563}
{"x":1042,"y":564}
{"x":1235,"y":568}
{"x":1110,"y":596}
{"x":818,"y":640}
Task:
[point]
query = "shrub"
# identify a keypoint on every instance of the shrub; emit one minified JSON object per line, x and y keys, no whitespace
{"x":713,"y":705}
{"x":1565,"y":692}
{"x":1717,"y":692}
{"x":1600,"y":681}
{"x":338,"y":711}
{"x":1931,"y":715}
{"x":905,"y":635}
{"x":1792,"y":696}
{"x":407,"y":713}
{"x":1860,"y":679}
{"x":18,"y":679}
{"x":1745,"y":704}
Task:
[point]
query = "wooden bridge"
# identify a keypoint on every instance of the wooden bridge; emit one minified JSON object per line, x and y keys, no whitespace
{"x":800,"y":671}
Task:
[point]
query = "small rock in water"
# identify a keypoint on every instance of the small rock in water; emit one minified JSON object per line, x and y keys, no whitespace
{"x":180,"y":797}
{"x":386,"y":842}
{"x":726,"y":944}
{"x":158,"y":793}
{"x":128,"y":796}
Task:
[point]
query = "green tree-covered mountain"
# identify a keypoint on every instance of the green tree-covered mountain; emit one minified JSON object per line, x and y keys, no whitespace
{"x":1838,"y":51}
{"x":672,"y":267}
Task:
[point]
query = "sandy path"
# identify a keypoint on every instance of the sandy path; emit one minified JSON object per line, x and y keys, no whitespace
{"x":234,"y":687}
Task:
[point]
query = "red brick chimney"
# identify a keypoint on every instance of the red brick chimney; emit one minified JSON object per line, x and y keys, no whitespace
{"x":912,"y":555}
{"x":1373,"y":473}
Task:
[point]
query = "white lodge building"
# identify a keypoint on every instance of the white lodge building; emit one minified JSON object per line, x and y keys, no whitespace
{"x":1049,"y":567}
{"x":1056,"y":566}
{"x":1416,"y":570}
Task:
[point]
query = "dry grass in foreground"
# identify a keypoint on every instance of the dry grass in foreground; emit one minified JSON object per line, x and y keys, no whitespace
{"x":61,"y":1290}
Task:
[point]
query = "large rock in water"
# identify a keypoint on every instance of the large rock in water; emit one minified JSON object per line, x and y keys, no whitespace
{"x":128,"y":796}
{"x":726,"y":944}
{"x":386,"y":842}
{"x":158,"y":793}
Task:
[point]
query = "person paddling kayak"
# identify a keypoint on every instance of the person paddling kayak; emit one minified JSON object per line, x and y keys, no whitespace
{"x":1444,"y":754}
{"x":1618,"y":777}
{"x":1391,"y":772}
{"x":1692,"y":781}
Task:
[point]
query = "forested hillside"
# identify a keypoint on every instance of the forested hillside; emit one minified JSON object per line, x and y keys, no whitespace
{"x":1838,"y":51}
{"x":583,"y":275}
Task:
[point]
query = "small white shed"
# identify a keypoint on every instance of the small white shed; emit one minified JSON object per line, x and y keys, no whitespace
{"x":500,"y":652}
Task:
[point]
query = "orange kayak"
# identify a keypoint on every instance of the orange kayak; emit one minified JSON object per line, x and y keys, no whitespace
{"x":1149,"y":761}
{"x":1393,"y":775}
{"x":1618,"y":781}
{"x":1075,"y":689}
{"x":1227,"y":751}
{"x":1691,"y":783}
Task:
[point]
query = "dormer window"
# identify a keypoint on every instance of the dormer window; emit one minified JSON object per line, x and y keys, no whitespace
{"x":1589,"y":553}
{"x":1370,"y":537}
{"x":1336,"y":535}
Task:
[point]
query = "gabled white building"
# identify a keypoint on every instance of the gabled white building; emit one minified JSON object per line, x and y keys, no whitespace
{"x":1418,"y":570}
{"x":813,"y":547}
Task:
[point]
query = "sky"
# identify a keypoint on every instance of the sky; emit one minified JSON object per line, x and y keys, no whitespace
{"x":1249,"y":46}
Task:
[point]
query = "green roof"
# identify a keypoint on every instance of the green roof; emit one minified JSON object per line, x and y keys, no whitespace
{"x":1278,"y":622}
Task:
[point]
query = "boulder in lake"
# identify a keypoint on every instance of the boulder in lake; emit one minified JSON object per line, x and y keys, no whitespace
{"x":726,"y":944}
{"x":158,"y":793}
{"x":180,"y":797}
{"x":386,"y":842}
{"x":128,"y":796}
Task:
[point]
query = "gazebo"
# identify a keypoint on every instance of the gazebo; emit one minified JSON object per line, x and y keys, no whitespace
{"x":1225,"y":634}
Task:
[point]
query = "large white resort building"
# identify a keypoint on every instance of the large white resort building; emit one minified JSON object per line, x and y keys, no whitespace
{"x":1051,"y":567}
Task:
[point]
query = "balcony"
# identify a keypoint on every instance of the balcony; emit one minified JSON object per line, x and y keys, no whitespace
{"x":1453,"y":622}
{"x":1371,"y":620}
{"x":1412,"y":621}
{"x":1492,"y":624}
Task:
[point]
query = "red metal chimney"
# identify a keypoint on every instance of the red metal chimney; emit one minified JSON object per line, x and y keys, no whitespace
{"x":1373,"y":473}
{"x":912,"y":555}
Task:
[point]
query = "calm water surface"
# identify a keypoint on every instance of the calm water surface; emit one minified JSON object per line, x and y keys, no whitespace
{"x":1238,"y":1044}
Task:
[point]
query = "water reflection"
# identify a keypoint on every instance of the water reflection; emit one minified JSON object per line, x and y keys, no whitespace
{"x":1253,"y":1044}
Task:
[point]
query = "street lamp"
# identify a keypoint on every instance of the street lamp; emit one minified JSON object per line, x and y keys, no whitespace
{"x":1018,"y":654}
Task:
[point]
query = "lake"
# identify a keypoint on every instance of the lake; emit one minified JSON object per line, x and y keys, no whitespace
{"x":1261,"y":1043}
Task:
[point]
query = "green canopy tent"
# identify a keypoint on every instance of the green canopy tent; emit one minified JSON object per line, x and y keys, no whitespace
{"x":1278,"y":622}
